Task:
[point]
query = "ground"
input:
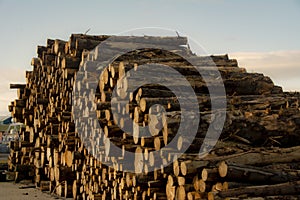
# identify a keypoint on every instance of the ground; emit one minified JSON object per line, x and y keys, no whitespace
{"x":13,"y":191}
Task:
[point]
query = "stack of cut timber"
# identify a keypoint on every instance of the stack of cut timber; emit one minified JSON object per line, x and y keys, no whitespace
{"x":258,"y":153}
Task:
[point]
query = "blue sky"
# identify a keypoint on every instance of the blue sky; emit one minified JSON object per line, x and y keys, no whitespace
{"x":253,"y":31}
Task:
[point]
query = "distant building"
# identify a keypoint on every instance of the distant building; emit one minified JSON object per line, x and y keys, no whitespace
{"x":4,"y":124}
{"x":5,"y":119}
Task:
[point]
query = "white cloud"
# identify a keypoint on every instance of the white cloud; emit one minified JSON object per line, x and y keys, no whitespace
{"x":282,"y":66}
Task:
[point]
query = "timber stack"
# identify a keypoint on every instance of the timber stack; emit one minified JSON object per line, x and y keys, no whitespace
{"x":256,"y":157}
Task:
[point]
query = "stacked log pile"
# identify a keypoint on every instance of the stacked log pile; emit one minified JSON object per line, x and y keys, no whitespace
{"x":257,"y":155}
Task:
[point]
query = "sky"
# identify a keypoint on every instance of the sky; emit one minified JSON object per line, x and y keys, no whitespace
{"x":263,"y":35}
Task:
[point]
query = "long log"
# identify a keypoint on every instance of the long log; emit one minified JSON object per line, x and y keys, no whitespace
{"x":288,"y":188}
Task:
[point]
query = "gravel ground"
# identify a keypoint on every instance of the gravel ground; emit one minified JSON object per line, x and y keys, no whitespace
{"x":12,"y":191}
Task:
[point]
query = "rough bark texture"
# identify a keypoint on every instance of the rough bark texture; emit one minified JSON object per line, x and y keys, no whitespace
{"x":257,"y":155}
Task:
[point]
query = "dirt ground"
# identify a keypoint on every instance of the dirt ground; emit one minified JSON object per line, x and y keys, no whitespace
{"x":12,"y":191}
